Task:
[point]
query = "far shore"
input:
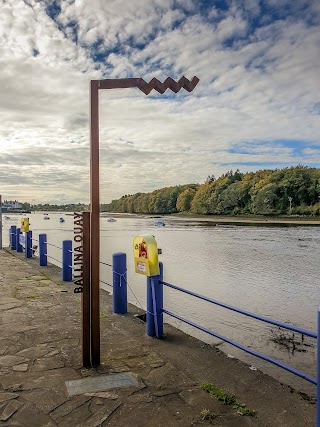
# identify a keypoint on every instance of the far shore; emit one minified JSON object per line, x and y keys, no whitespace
{"x":221,"y":219}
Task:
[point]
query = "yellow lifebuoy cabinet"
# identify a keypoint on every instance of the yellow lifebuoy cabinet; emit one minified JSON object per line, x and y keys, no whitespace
{"x":145,"y":251}
{"x":24,"y":224}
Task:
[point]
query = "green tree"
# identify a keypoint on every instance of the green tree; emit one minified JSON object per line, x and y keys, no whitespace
{"x":184,"y":200}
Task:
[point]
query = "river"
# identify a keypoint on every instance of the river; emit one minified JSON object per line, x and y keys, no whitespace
{"x":268,"y":270}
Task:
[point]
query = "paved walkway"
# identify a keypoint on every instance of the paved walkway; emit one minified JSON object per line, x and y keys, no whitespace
{"x":40,"y":354}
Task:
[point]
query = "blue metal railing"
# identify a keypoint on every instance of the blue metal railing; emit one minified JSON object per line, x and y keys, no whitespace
{"x":119,"y":264}
{"x":246,"y":349}
{"x":246,"y":313}
{"x":234,"y":343}
{"x":15,"y":244}
{"x":155,"y":327}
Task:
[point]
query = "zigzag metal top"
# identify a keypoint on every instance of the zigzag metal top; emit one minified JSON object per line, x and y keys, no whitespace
{"x":145,"y":87}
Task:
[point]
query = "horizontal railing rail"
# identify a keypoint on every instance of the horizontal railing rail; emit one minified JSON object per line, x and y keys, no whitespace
{"x":244,"y":312}
{"x":20,"y":243}
{"x":55,"y":246}
{"x":234,"y":343}
{"x":154,"y":327}
{"x":156,"y":321}
{"x":246,"y":349}
{"x":105,"y":263}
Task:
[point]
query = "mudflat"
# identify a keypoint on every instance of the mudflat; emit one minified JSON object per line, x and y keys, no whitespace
{"x":224,"y":219}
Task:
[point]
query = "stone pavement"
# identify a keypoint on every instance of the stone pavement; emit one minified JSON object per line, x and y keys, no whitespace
{"x":40,"y":358}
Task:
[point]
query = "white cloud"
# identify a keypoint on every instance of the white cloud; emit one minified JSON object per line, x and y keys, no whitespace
{"x":256,"y":84}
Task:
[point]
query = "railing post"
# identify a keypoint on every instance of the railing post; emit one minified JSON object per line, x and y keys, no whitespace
{"x":119,"y":296}
{"x":150,"y":327}
{"x":157,"y":290}
{"x":43,"y":260}
{"x":318,"y":373}
{"x":19,"y":247}
{"x":160,"y":301}
{"x":67,"y":260}
{"x":28,"y":244}
{"x":13,"y":241}
{"x":155,"y":305}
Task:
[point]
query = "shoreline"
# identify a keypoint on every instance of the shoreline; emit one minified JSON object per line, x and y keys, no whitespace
{"x":217,"y":219}
{"x":203,"y":218}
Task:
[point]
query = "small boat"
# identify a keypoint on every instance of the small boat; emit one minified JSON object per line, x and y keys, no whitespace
{"x":111,"y":220}
{"x":159,"y":224}
{"x":61,"y":219}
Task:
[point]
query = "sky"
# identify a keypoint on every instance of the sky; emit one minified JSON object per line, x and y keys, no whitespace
{"x":256,"y":106}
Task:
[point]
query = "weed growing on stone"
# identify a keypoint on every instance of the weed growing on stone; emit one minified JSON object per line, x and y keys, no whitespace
{"x":228,"y":399}
{"x":207,"y":415}
{"x":41,"y":285}
{"x":103,"y":314}
{"x":243,"y":410}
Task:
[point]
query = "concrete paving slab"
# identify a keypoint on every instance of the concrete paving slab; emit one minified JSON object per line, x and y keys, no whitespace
{"x":10,"y":409}
{"x":9,"y":303}
{"x":168,"y":376}
{"x":30,"y":416}
{"x":47,"y":364}
{"x":47,"y":400}
{"x":34,"y":380}
{"x":104,"y":395}
{"x":69,"y":406}
{"x":34,"y":352}
{"x":4,"y":396}
{"x":100,"y":416}
{"x":9,"y":360}
{"x":101,"y":383}
{"x":21,"y":368}
{"x":3,"y":349}
{"x":77,"y":416}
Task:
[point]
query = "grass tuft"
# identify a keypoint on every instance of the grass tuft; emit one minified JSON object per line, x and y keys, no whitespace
{"x":103,"y":314}
{"x":207,"y":415}
{"x":227,"y":399}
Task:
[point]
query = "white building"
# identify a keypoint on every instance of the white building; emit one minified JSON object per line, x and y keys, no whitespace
{"x":9,"y":205}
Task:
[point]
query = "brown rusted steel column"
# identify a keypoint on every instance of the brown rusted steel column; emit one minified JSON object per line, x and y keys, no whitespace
{"x":86,"y":294}
{"x":95,"y":223}
{"x":95,"y":85}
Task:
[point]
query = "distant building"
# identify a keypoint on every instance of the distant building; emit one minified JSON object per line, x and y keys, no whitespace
{"x":11,"y":205}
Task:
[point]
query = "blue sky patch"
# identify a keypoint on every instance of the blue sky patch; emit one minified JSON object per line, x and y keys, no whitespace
{"x":53,"y":9}
{"x":297,"y":147}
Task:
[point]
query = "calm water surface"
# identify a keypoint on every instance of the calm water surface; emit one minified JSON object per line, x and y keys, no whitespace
{"x":268,"y":270}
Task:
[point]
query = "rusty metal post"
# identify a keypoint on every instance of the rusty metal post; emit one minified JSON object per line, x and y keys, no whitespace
{"x":95,"y":223}
{"x":86,"y":294}
{"x":1,"y":222}
{"x":95,"y":85}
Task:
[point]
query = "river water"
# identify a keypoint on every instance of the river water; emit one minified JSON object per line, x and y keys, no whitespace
{"x":268,"y":270}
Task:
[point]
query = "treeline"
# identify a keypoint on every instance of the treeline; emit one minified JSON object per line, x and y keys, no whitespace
{"x":70,"y":207}
{"x":165,"y":200}
{"x":291,"y":191}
